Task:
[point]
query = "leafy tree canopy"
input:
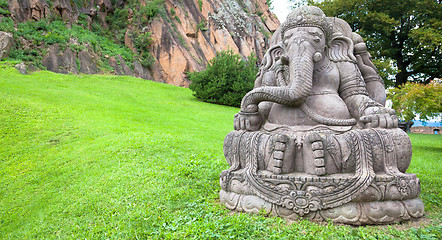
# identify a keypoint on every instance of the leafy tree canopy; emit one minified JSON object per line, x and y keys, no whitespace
{"x":226,"y":80}
{"x":416,"y":98}
{"x":403,"y":34}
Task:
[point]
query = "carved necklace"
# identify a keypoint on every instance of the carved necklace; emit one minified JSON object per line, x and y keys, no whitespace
{"x":325,"y":66}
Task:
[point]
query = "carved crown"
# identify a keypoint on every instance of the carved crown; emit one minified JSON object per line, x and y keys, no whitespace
{"x":307,"y":16}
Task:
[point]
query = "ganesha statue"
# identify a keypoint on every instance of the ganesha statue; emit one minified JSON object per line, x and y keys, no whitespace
{"x":314,"y":139}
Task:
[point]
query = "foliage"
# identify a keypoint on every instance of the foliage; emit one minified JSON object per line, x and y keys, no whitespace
{"x":202,"y":25}
{"x":226,"y":80}
{"x":200,"y":5}
{"x":32,"y":38}
{"x":151,"y":9}
{"x":113,"y":157}
{"x":407,"y":32}
{"x":298,"y":3}
{"x":269,"y":3}
{"x":172,"y":12}
{"x":4,"y":7}
{"x":386,"y":70}
{"x":415,"y":98}
{"x":43,"y":33}
{"x":6,"y":24}
{"x":119,"y":19}
{"x":118,"y":23}
{"x":142,"y":42}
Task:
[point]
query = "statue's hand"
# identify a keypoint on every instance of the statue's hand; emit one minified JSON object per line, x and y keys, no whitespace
{"x":379,"y":117}
{"x":247,"y":121}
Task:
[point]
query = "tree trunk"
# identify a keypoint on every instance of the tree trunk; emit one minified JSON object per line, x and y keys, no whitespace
{"x":401,"y":78}
{"x":403,"y":74}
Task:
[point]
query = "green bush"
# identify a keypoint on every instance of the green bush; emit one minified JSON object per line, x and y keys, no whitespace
{"x":105,"y":42}
{"x":4,"y":7}
{"x":142,"y":42}
{"x":43,"y":33}
{"x":226,"y":80}
{"x":6,"y":24}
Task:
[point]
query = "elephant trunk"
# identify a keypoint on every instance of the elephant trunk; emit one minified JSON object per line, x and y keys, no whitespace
{"x":301,"y":65}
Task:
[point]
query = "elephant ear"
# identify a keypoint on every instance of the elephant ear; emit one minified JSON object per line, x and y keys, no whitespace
{"x":272,"y":55}
{"x":341,"y":49}
{"x":265,"y":76}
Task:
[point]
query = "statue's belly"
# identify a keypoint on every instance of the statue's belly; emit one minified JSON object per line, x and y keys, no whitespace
{"x":327,"y":105}
{"x":290,"y":116}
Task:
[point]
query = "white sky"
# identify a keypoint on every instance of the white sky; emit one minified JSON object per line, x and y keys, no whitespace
{"x":281,"y":8}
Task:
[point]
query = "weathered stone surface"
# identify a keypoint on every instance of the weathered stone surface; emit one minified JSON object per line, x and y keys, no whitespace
{"x":373,"y":212}
{"x":180,"y":46}
{"x":87,"y":62}
{"x":21,"y":67}
{"x":114,"y":64}
{"x":63,"y":8}
{"x":141,"y":72}
{"x":22,"y":10}
{"x":6,"y":43}
{"x":124,"y":68}
{"x":128,"y":41}
{"x":60,"y":61}
{"x":120,"y":67}
{"x":313,"y":138}
{"x":66,"y":61}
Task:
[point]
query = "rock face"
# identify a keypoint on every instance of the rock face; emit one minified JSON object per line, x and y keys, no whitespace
{"x":6,"y":43}
{"x":196,"y":32}
{"x":61,"y":61}
{"x":29,"y":9}
{"x":186,"y":33}
{"x":314,"y":139}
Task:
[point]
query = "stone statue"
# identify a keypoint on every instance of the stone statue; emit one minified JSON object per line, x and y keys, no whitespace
{"x":313,"y":138}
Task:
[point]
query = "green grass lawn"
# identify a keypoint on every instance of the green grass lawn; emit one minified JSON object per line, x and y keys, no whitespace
{"x":105,"y":157}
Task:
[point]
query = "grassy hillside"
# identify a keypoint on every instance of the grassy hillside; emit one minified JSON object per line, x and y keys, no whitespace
{"x":101,"y":157}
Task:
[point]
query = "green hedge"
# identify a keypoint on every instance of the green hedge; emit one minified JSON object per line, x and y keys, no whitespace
{"x":226,"y":80}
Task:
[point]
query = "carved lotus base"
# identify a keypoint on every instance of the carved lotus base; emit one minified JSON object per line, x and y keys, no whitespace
{"x":354,"y":213}
{"x":387,"y":199}
{"x":375,"y":190}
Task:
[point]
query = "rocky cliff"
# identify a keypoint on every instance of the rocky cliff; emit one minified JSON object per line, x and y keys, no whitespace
{"x":183,"y":34}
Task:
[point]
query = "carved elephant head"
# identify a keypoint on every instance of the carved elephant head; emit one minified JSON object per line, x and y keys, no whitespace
{"x":306,"y":38}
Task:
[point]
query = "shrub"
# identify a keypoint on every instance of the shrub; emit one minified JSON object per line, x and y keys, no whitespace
{"x":411,"y":99}
{"x":105,"y":42}
{"x":4,"y":7}
{"x":226,"y":80}
{"x":202,"y":26}
{"x":200,"y":5}
{"x":151,"y":9}
{"x":6,"y":24}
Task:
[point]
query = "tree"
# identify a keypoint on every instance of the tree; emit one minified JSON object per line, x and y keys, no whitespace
{"x":406,"y":33}
{"x":226,"y":79}
{"x":416,"y":98}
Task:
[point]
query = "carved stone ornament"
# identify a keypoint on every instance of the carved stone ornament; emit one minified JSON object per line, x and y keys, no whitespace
{"x":314,"y":139}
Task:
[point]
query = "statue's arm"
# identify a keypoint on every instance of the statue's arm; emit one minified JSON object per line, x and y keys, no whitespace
{"x":375,"y":84}
{"x":268,"y":79}
{"x":253,"y":121}
{"x":353,"y":91}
